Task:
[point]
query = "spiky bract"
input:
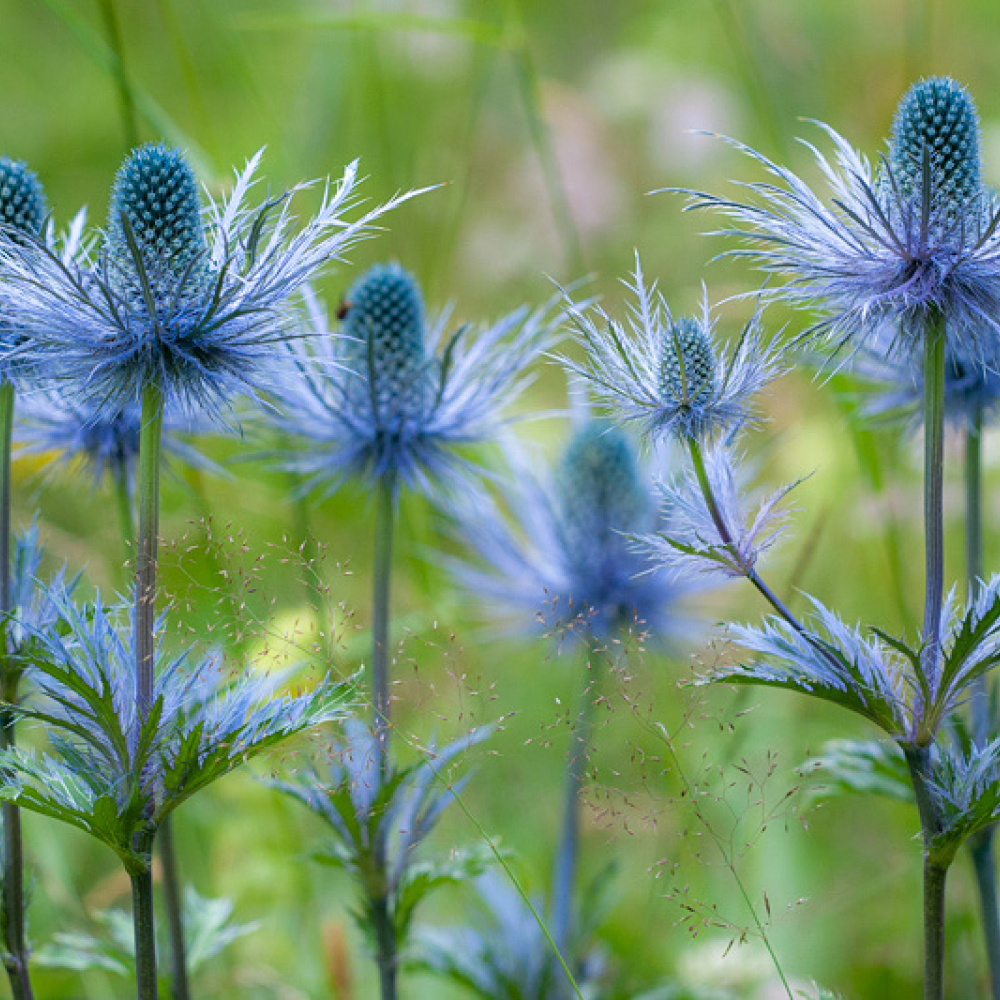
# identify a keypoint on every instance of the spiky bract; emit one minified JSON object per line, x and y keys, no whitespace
{"x":690,"y":541}
{"x":668,"y":376}
{"x":113,"y":772}
{"x":393,"y":416}
{"x":193,"y":299}
{"x":894,"y":247}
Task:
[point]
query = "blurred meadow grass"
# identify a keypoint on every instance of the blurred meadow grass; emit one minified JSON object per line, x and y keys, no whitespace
{"x":550,"y":122}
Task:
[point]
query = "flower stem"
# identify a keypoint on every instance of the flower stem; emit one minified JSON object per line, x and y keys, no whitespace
{"x":981,"y":842}
{"x":934,"y":376}
{"x":12,"y":916}
{"x":180,"y":989}
{"x":576,"y":763}
{"x":126,"y":522}
{"x":384,"y":522}
{"x":150,"y":440}
{"x":145,"y":937}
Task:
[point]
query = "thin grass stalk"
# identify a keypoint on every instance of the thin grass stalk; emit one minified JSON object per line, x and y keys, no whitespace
{"x":981,"y":843}
{"x":12,"y":903}
{"x":385,"y":931}
{"x":130,"y":119}
{"x":150,"y":444}
{"x":126,"y":522}
{"x":577,"y":754}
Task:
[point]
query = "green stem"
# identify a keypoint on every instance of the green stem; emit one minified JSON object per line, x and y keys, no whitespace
{"x":384,"y":926}
{"x":130,"y":120}
{"x":12,"y":915}
{"x":934,"y":376}
{"x":126,"y":522}
{"x":981,"y":843}
{"x":576,"y":764}
{"x":150,"y":442}
{"x":180,"y":990}
{"x":918,"y":759}
{"x":145,"y":936}
{"x":384,"y":522}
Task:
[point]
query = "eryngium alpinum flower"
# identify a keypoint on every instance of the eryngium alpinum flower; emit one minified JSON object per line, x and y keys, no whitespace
{"x":191,"y":298}
{"x":64,"y":429}
{"x":390,"y":398}
{"x":670,"y":376}
{"x":566,"y":560}
{"x":913,"y":238}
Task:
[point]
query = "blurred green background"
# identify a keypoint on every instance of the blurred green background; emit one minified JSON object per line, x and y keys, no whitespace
{"x":550,"y":121}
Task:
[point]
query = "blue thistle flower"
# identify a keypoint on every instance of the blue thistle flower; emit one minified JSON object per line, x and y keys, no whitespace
{"x":392,"y":400}
{"x":192,"y":299}
{"x":916,"y":237}
{"x":104,"y":440}
{"x":666,"y":375}
{"x":690,"y":542}
{"x":567,"y":555}
{"x":112,"y":773}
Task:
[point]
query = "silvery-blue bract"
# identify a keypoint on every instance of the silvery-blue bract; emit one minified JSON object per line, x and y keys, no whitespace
{"x":894,"y":245}
{"x":670,"y":376}
{"x":193,"y":299}
{"x":690,"y":543}
{"x":562,"y":556}
{"x":393,"y":399}
{"x":114,"y":774}
{"x":105,"y":440}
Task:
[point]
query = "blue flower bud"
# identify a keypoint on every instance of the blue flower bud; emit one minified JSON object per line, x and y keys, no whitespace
{"x":687,"y":369}
{"x":937,"y":116}
{"x":600,"y":492}
{"x":384,"y":317}
{"x":156,"y":191}
{"x":22,"y":200}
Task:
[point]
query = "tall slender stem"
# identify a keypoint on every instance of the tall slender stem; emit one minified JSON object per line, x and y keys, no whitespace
{"x":12,"y":916}
{"x":123,"y":502}
{"x":150,"y":441}
{"x":385,"y":515}
{"x":934,"y":376}
{"x":385,"y":931}
{"x":179,"y":988}
{"x":981,"y":842}
{"x":576,"y":764}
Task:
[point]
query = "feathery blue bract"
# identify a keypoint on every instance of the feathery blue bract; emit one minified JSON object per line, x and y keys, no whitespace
{"x":112,"y":775}
{"x":668,"y":376}
{"x":893,"y":247}
{"x":565,"y":559}
{"x":874,"y":674}
{"x":195,"y":305}
{"x":104,"y":439}
{"x":380,"y":824}
{"x":391,"y":405}
{"x":971,"y":386}
{"x":690,"y":542}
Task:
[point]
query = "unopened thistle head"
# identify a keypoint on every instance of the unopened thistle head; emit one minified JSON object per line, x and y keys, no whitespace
{"x":563,"y":556}
{"x":22,"y":201}
{"x":191,"y":296}
{"x":668,"y":375}
{"x":914,"y":240}
{"x":391,"y":398}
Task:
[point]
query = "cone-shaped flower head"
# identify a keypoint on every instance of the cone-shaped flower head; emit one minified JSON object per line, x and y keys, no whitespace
{"x":155,"y":229}
{"x":185,"y":292}
{"x":600,"y":494}
{"x":668,"y":375}
{"x":914,"y":239}
{"x":688,"y":368}
{"x":567,"y":560}
{"x":22,"y":200}
{"x":386,"y":350}
{"x":936,"y":121}
{"x":391,"y":398}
